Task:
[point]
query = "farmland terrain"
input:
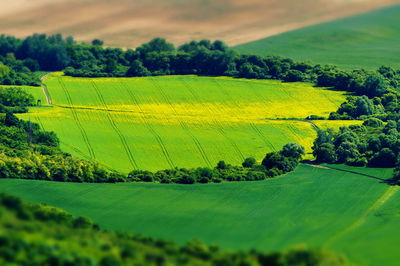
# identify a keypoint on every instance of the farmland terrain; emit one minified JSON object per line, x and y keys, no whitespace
{"x":354,"y":214}
{"x":364,"y":41}
{"x":127,"y":23}
{"x":157,"y":123}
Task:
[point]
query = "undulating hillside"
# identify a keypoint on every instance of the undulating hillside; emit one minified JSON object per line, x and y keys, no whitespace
{"x":355,"y":214}
{"x":364,"y":41}
{"x":36,"y":234}
{"x":186,"y":121}
{"x":129,"y":23}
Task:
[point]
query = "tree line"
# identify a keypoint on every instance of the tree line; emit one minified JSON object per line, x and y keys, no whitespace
{"x":273,"y":164}
{"x":159,"y":57}
{"x":373,"y":143}
{"x":33,"y":234}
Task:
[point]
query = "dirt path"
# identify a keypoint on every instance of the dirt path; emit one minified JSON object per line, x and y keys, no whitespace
{"x":390,"y":191}
{"x":45,"y":90}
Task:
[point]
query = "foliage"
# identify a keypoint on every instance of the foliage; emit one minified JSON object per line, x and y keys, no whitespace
{"x":371,"y":143}
{"x":159,"y":57}
{"x":30,"y":153}
{"x":275,"y":163}
{"x":14,"y":96}
{"x":385,"y":107}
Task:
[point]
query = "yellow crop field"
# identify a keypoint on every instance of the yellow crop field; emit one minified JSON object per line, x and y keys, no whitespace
{"x":179,"y":121}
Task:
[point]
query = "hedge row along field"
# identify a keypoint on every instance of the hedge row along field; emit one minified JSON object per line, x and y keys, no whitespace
{"x":186,"y":121}
{"x":353,"y":214}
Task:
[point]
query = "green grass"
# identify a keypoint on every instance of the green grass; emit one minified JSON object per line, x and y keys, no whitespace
{"x":336,"y":210}
{"x":364,"y":41}
{"x":186,"y":121}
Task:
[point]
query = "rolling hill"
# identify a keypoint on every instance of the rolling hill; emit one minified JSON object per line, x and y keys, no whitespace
{"x":129,"y":23}
{"x":363,"y":41}
{"x":354,"y":214}
{"x":157,"y":123}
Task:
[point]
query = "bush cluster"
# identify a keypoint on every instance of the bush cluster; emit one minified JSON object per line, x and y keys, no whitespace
{"x":274,"y":164}
{"x":28,"y":152}
{"x":385,"y":107}
{"x":373,"y":144}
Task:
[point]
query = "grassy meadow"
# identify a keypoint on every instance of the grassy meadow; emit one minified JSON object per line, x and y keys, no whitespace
{"x":354,"y":214}
{"x":363,"y":41}
{"x":186,"y":121}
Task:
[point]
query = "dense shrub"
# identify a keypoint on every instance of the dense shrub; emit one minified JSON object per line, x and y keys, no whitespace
{"x":274,"y":164}
{"x":369,"y":144}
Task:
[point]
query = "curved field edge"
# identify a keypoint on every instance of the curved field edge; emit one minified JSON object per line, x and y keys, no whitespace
{"x":309,"y":206}
{"x":186,"y":121}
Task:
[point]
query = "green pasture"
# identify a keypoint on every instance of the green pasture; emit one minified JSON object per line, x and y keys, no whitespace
{"x":363,"y":41}
{"x":354,"y":214}
{"x":185,"y":121}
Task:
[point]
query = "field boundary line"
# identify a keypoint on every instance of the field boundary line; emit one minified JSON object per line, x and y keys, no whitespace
{"x":115,"y":127}
{"x":361,"y":220}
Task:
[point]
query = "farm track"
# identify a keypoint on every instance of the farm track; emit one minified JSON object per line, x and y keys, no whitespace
{"x":77,"y":121}
{"x":116,"y":129}
{"x":45,"y":90}
{"x":149,"y":127}
{"x":388,"y":194}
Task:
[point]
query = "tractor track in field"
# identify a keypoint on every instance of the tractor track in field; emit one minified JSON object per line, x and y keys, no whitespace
{"x":261,"y":136}
{"x":84,"y":155}
{"x":77,"y":121}
{"x":216,"y":122}
{"x":150,"y":128}
{"x":388,"y":194}
{"x":116,"y":129}
{"x":195,"y":140}
{"x":197,"y":143}
{"x":237,"y":106}
{"x":185,"y":127}
{"x":233,"y":144}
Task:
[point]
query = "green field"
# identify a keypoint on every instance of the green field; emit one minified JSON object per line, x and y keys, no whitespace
{"x":350,"y":213}
{"x":186,"y":121}
{"x":364,"y":41}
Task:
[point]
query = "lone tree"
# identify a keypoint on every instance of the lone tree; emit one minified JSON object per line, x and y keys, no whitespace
{"x":249,"y":162}
{"x":97,"y":42}
{"x":293,"y":150}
